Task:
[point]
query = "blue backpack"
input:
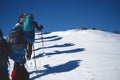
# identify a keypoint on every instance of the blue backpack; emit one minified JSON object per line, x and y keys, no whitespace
{"x":29,"y":23}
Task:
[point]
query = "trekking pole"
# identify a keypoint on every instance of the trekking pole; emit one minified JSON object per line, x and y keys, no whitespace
{"x":34,"y":57}
{"x":43,"y":53}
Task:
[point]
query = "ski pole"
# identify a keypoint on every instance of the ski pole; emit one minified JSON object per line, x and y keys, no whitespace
{"x":34,"y":57}
{"x":42,"y":43}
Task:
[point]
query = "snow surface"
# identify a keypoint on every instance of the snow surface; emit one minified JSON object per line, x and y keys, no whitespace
{"x":76,"y":55}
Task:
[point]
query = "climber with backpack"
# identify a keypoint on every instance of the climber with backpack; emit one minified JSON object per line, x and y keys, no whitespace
{"x":29,"y":25}
{"x":4,"y":54}
{"x":17,"y":45}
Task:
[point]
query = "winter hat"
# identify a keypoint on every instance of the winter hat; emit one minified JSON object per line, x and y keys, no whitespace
{"x":22,"y":15}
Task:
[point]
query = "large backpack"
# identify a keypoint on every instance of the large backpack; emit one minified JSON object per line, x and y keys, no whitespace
{"x":16,"y":39}
{"x":29,"y":23}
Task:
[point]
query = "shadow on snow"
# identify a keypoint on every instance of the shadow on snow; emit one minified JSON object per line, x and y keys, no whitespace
{"x":61,"y":52}
{"x":63,"y":45}
{"x":55,"y":39}
{"x":57,"y":69}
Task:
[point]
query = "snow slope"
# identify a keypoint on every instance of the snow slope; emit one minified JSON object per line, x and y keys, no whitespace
{"x":76,"y":55}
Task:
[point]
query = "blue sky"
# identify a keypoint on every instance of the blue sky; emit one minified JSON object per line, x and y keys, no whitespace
{"x":58,"y":15}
